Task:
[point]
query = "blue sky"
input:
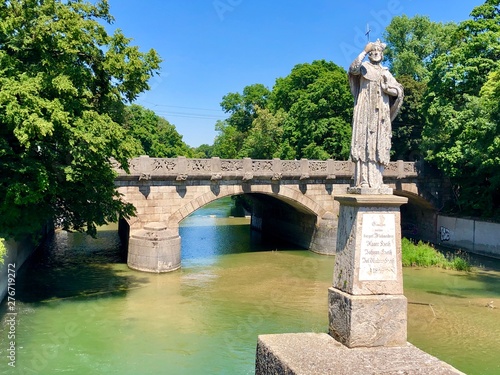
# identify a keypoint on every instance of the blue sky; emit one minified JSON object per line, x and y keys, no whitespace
{"x":212,"y":47}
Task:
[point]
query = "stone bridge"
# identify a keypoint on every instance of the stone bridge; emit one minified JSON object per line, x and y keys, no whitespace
{"x":292,"y":199}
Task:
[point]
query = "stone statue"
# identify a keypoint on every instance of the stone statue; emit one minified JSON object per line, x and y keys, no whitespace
{"x":377,"y":100}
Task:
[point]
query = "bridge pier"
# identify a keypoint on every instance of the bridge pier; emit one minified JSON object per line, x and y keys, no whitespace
{"x":325,"y":235}
{"x":155,"y":248}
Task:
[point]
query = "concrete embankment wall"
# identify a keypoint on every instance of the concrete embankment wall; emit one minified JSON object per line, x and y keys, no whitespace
{"x":17,"y":253}
{"x":479,"y":237}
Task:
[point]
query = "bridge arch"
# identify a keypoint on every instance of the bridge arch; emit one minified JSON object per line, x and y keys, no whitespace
{"x":284,"y":194}
{"x":418,"y":216}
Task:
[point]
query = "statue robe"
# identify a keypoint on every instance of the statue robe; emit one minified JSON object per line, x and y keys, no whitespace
{"x":374,"y":109}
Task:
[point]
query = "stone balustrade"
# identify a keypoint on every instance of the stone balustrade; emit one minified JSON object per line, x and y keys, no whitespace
{"x":181,"y":168}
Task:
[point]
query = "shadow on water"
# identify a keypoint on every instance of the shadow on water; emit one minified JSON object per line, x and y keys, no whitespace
{"x":76,"y":266}
{"x":489,"y":282}
{"x":483,"y":279}
{"x":445,"y":294}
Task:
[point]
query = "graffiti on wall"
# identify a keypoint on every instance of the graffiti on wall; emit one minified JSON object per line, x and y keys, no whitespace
{"x":444,"y":233}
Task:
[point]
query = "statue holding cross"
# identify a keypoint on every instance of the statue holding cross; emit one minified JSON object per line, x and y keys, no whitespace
{"x":377,"y":100}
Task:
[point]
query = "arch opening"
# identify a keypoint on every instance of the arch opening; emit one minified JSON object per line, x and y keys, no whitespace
{"x":272,"y":223}
{"x":418,"y":218}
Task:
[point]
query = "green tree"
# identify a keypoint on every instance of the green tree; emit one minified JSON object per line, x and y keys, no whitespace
{"x":242,"y":111}
{"x":408,"y":125}
{"x":228,"y":142}
{"x":204,"y":151}
{"x":412,"y":46}
{"x":158,"y":137}
{"x":306,"y":115}
{"x":241,"y":107}
{"x":264,"y":140}
{"x":413,"y":43}
{"x":318,"y":103}
{"x":461,"y":135}
{"x":63,"y":84}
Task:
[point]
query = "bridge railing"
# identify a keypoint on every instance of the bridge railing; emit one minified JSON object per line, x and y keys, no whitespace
{"x":181,"y":168}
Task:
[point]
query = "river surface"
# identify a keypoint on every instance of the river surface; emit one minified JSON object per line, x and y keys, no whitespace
{"x":80,"y":310}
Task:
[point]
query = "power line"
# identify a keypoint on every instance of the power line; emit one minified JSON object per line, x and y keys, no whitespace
{"x":177,"y":106}
{"x":185,"y":114}
{"x":189,"y":115}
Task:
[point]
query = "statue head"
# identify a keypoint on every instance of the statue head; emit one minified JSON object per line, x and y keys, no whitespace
{"x":376,"y":53}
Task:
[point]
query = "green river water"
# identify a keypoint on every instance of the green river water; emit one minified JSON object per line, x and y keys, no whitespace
{"x":80,"y":310}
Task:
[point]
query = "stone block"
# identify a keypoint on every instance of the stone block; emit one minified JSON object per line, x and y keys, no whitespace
{"x":319,"y":353}
{"x":367,"y":321}
{"x":155,"y":248}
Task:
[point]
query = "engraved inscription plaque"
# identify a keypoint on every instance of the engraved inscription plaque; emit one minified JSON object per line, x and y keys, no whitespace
{"x":378,"y":248}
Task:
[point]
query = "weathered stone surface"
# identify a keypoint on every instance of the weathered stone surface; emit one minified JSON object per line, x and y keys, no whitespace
{"x":370,"y":191}
{"x":325,"y":235}
{"x":367,"y":321}
{"x":320,"y":354}
{"x":154,"y":248}
{"x":368,"y":258}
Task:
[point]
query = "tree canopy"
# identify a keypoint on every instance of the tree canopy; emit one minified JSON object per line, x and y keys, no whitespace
{"x":413,"y":43}
{"x":319,"y":104}
{"x":64,"y":83}
{"x":462,"y":134}
{"x":242,"y":112}
{"x":307,"y":114}
{"x":412,"y":46}
{"x":450,"y":73}
{"x":157,"y":136}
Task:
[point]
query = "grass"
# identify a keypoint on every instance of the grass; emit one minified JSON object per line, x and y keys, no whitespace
{"x":424,"y":255}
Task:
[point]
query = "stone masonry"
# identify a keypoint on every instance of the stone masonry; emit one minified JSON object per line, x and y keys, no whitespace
{"x":165,"y":191}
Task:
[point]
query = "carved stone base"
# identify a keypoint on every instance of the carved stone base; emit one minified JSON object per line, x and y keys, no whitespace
{"x":368,"y":257}
{"x":386,"y":190}
{"x":367,"y":321}
{"x":154,"y":249}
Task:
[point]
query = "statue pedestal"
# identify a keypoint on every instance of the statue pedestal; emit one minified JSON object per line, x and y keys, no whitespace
{"x":367,"y":307}
{"x":386,"y":190}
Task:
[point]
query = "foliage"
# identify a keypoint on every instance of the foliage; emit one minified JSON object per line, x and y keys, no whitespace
{"x":412,"y":46}
{"x":462,"y":133}
{"x":424,"y":255}
{"x":157,"y":136}
{"x":413,"y":43}
{"x":407,"y":127}
{"x":241,"y":107}
{"x":306,"y":115}
{"x":63,"y":84}
{"x":242,"y":112}
{"x":229,"y":141}
{"x":319,"y":104}
{"x":204,"y":151}
{"x":265,"y":135}
{"x":450,"y":74}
